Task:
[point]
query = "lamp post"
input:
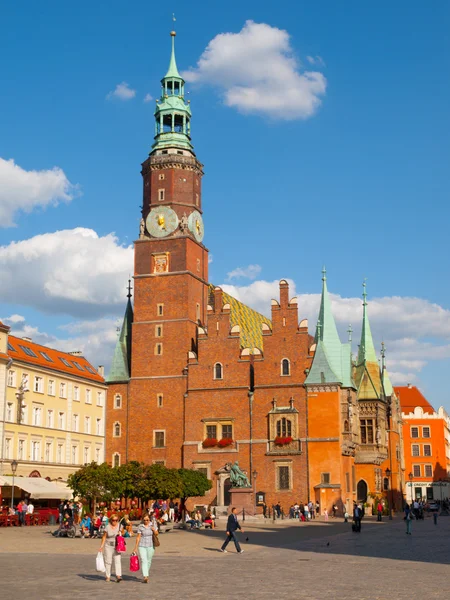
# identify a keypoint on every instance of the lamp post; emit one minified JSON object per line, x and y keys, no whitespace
{"x":388,"y":475}
{"x":411,"y":477}
{"x":254,"y":476}
{"x":14,"y":465}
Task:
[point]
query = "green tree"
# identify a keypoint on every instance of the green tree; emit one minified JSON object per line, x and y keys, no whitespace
{"x":195,"y":483}
{"x":129,"y":477}
{"x":159,"y":482}
{"x":95,"y":482}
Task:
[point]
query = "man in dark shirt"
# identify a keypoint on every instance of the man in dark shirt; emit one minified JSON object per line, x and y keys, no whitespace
{"x":232,"y":527}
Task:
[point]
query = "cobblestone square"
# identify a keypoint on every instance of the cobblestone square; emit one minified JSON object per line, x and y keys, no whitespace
{"x":282,"y":560}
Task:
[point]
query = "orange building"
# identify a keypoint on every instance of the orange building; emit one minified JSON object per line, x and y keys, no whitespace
{"x":426,"y":435}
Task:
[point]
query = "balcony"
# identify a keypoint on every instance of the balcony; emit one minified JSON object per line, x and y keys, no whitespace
{"x":294,"y":447}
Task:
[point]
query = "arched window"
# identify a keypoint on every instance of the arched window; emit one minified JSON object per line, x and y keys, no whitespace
{"x":116,"y":429}
{"x":218,"y":371}
{"x":284,"y":428}
{"x":116,"y":460}
{"x":117,"y":401}
{"x":285,"y":367}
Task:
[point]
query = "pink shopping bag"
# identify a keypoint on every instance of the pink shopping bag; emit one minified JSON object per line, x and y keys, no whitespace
{"x":134,"y":562}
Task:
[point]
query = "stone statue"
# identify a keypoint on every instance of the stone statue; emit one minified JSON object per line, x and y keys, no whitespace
{"x":141,"y":229}
{"x":378,"y":435}
{"x":237,"y":477}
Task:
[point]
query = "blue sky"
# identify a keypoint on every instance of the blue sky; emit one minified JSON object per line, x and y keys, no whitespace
{"x":359,"y":184}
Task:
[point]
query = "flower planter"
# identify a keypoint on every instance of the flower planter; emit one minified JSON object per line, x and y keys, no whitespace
{"x":283,"y":441}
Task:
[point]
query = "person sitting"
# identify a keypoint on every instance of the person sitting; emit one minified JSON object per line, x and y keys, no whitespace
{"x":190,"y":521}
{"x":96,"y":526}
{"x":208,"y":521}
{"x":126,"y":525}
{"x":86,"y":524}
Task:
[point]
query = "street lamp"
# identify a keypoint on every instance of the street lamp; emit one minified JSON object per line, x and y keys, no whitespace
{"x":388,"y":475}
{"x":411,"y":477}
{"x":254,"y":476}
{"x":14,"y":465}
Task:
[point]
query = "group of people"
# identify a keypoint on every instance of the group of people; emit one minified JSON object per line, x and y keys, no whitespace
{"x":304,"y":511}
{"x":21,"y":510}
{"x":196,"y":520}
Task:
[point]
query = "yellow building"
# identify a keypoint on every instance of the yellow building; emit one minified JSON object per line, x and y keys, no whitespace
{"x":52,"y":409}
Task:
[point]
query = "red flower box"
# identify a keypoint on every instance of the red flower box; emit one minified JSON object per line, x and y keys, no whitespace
{"x":209,"y":443}
{"x":283,"y":441}
{"x":224,"y":442}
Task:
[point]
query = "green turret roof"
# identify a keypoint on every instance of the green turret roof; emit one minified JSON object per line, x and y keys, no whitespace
{"x":387,"y":385}
{"x":367,"y":374}
{"x":332,"y":359}
{"x":121,"y":363}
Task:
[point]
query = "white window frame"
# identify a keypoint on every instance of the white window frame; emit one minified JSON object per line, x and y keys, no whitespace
{"x":74,"y":454}
{"x":38,"y":384}
{"x":63,"y":389}
{"x":88,"y":396}
{"x":159,"y":400}
{"x":117,"y":401}
{"x":161,"y":194}
{"x":12,"y":378}
{"x":414,"y":437}
{"x":412,"y":450}
{"x":117,"y":435}
{"x":21,"y":449}
{"x":86,"y":455}
{"x":48,"y":452}
{"x":60,"y":453}
{"x":431,"y":450}
{"x":50,"y":418}
{"x":430,"y":466}
{"x":419,"y":468}
{"x":37,"y":416}
{"x":215,"y":371}
{"x":51,"y":387}
{"x":8,"y":447}
{"x":75,"y":422}
{"x":115,"y":456}
{"x":155,"y":431}
{"x":35,"y":451}
{"x":10,"y":412}
{"x":98,"y":426}
{"x":76,"y":393}
{"x":100,"y":398}
{"x":429,"y":432}
{"x":288,"y":374}
{"x":61,"y":420}
{"x":87,"y":424}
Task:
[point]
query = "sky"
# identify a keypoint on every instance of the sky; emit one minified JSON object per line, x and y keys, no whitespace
{"x":324,"y":131}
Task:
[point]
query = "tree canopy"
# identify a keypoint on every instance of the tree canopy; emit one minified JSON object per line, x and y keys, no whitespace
{"x":195,"y":483}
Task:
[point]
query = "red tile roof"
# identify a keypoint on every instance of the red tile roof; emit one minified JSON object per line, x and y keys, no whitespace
{"x":4,"y":327}
{"x":35,"y":354}
{"x":410,"y":397}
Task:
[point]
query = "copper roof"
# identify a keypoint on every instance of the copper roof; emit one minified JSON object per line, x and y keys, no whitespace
{"x":410,"y":397}
{"x":37,"y":355}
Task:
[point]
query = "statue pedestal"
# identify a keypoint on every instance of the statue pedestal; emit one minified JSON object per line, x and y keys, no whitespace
{"x":242,"y":498}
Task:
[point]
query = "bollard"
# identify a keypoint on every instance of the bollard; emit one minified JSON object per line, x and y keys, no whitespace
{"x":435,"y":518}
{"x":274,"y":513}
{"x":269,"y":512}
{"x":282,"y":515}
{"x":243,"y":514}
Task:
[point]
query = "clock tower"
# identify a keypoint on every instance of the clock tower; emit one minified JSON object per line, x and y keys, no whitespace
{"x":170,"y":281}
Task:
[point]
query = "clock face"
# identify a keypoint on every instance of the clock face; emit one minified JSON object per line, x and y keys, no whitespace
{"x":196,"y":226}
{"x":162,"y":221}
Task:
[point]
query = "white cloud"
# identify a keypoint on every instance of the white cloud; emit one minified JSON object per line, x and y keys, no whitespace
{"x":250,"y":272}
{"x":258,"y":294}
{"x":122,"y":91}
{"x":316,"y":60}
{"x":14,"y":319}
{"x":258,"y":73}
{"x":210,"y":258}
{"x":148,"y":98}
{"x":75,"y":272}
{"x":22,"y":190}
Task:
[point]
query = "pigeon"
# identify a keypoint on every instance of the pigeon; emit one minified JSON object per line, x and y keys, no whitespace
{"x":246,"y":539}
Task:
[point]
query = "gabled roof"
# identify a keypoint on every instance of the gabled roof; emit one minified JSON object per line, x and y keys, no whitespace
{"x":250,"y":321}
{"x":410,"y":397}
{"x":121,"y":363}
{"x":37,"y":355}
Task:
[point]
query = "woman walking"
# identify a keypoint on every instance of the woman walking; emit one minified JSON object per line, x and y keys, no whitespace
{"x":144,"y":541}
{"x":108,"y":548}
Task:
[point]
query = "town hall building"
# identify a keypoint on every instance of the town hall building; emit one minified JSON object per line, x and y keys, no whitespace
{"x":200,"y":380}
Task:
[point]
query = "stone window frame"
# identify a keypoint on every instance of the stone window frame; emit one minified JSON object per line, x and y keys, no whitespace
{"x":159,"y":330}
{"x":160,"y":309}
{"x":218,"y":424}
{"x":158,"y":349}
{"x":284,"y":361}
{"x":289,"y":426}
{"x":325,"y":477}
{"x":198,"y":466}
{"x":284,"y":463}
{"x":414,"y":428}
{"x":163,"y":431}
{"x":161,"y":176}
{"x":117,"y":402}
{"x":116,"y":459}
{"x":161,"y":194}
{"x":413,"y":451}
{"x":51,"y":387}
{"x":117,"y":429}
{"x":215,"y":371}
{"x":426,"y":427}
{"x":159,"y":400}
{"x":12,"y":378}
{"x":161,"y":462}
{"x":424,"y":451}
{"x":39,"y":384}
{"x":417,"y":473}
{"x":430,"y":467}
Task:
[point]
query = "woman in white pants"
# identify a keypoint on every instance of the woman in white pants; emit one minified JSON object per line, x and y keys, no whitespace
{"x":144,"y":541}
{"x":108,"y":548}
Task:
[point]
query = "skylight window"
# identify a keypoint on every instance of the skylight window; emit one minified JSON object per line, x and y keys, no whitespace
{"x":78,"y":366}
{"x":65,"y":362}
{"x":28,"y":351}
{"x":88,"y":368}
{"x":11,"y":348}
{"x":46,"y":356}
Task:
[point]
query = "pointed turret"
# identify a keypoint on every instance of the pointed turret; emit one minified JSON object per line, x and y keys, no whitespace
{"x":331,"y":362}
{"x":121,"y":363}
{"x":387,"y":385}
{"x":172,"y":113}
{"x":367,"y":377}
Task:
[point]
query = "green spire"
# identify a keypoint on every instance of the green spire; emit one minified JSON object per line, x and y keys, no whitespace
{"x":121,"y":363}
{"x":172,"y":71}
{"x":367,"y":376}
{"x":387,"y":385}
{"x":366,"y":348}
{"x":172,"y":113}
{"x":331,"y":363}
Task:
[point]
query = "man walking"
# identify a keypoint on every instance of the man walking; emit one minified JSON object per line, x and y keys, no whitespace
{"x":232,"y":527}
{"x":379,"y":510}
{"x":357,"y":516}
